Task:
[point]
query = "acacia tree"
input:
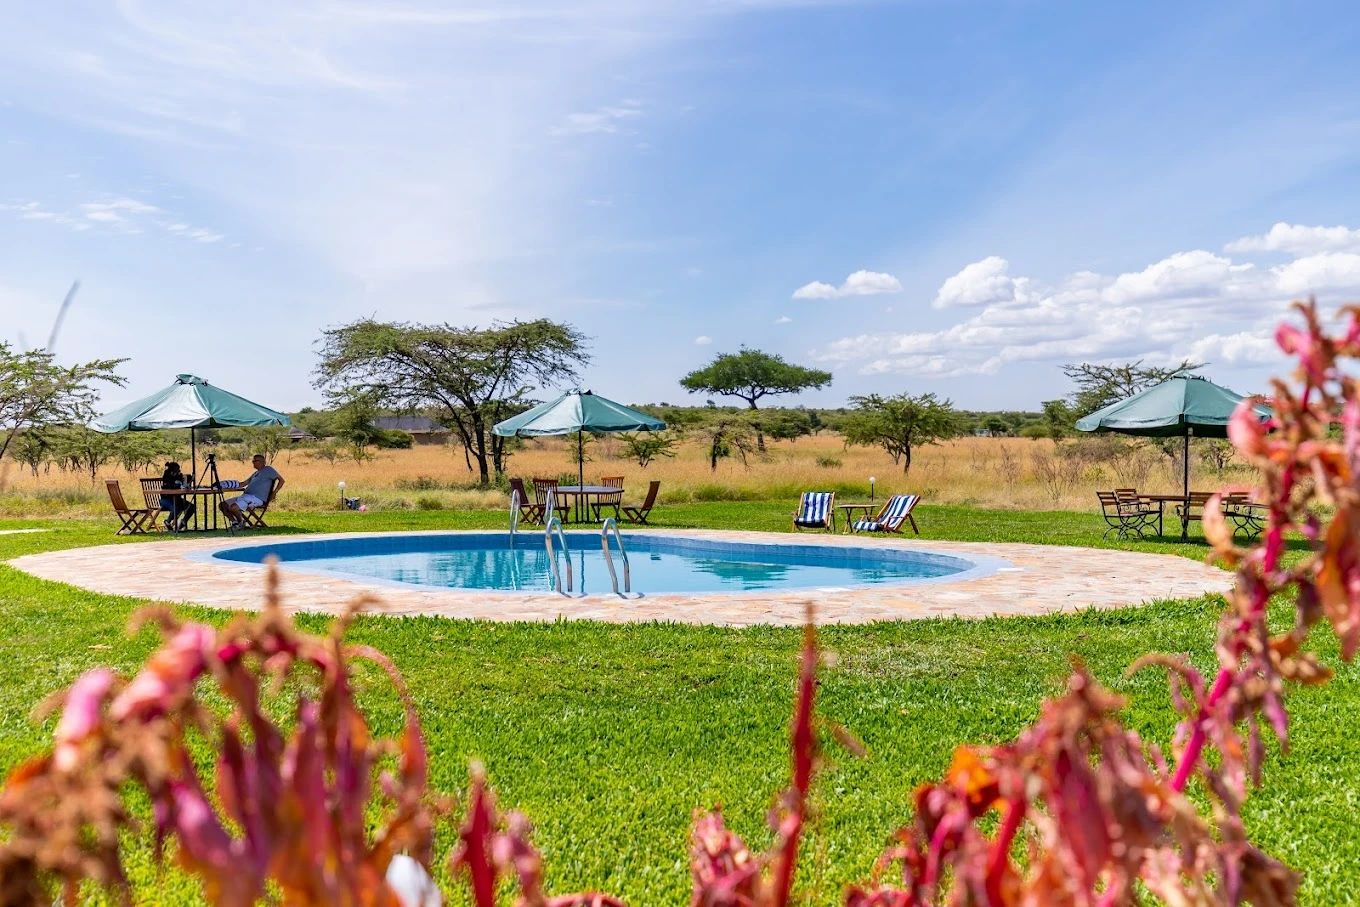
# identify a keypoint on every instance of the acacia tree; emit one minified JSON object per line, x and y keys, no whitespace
{"x":35,"y":391}
{"x":751,"y":375}
{"x":472,"y":377}
{"x":727,"y":433}
{"x":897,"y":424}
{"x":1100,"y":385}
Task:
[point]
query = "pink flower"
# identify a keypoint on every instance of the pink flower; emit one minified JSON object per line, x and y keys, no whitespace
{"x":80,"y":716}
{"x":169,"y":675}
{"x":1246,"y":431}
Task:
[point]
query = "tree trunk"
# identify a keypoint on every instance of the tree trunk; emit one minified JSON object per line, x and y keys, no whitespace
{"x":906,"y":456}
{"x":483,"y":460}
{"x":760,"y":435}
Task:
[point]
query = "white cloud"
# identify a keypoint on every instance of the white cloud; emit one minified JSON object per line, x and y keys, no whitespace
{"x":860,"y":283}
{"x":1242,"y":348}
{"x":1299,"y":240}
{"x":703,"y":340}
{"x":783,"y":319}
{"x":602,"y":120}
{"x":1194,"y":304}
{"x":117,"y":213}
{"x":1318,"y":273}
{"x":980,"y":283}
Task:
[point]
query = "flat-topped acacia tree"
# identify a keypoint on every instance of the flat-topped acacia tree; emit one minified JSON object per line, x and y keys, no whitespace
{"x":752,"y":375}
{"x":473,"y":377}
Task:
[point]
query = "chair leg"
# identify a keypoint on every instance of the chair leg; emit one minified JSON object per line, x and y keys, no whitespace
{"x":914,"y":527}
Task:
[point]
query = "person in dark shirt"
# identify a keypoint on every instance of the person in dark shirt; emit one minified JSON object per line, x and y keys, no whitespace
{"x":255,"y":491}
{"x":180,"y":507}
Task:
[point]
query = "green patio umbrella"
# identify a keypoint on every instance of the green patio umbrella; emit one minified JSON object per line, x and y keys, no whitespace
{"x":575,"y":412}
{"x":1178,"y":408}
{"x":190,"y":403}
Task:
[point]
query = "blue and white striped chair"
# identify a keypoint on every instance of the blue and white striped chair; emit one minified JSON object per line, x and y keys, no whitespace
{"x":816,"y":510}
{"x":890,"y":519}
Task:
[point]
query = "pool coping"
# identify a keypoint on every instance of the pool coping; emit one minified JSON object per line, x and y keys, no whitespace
{"x":1042,"y":579}
{"x":981,"y":564}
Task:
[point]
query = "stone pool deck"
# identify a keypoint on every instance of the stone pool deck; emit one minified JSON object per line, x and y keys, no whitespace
{"x":1039,"y":579}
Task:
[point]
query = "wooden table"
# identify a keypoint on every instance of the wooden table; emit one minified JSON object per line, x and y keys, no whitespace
{"x":1161,"y":500}
{"x":850,"y":513}
{"x":205,"y":506}
{"x":583,"y":493}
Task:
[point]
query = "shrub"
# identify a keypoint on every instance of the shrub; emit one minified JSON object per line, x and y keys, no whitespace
{"x":830,"y":462}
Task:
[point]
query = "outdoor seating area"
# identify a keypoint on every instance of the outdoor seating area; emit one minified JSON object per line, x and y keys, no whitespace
{"x":1130,"y":514}
{"x":817,"y":510}
{"x":580,"y":503}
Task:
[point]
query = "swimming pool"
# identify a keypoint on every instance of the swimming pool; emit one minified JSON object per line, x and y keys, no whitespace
{"x":660,"y":563}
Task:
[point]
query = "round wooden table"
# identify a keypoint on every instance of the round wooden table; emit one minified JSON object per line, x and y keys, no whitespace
{"x":583,"y":493}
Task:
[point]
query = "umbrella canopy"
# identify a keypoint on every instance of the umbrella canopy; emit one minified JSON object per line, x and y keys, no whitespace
{"x":190,"y":402}
{"x":575,"y":411}
{"x":1175,"y":408}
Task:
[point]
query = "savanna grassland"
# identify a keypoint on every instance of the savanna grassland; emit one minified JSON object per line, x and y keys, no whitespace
{"x":1009,"y":473}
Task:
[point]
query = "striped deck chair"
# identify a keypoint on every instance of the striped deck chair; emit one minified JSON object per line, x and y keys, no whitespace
{"x":890,"y":519}
{"x":816,"y":510}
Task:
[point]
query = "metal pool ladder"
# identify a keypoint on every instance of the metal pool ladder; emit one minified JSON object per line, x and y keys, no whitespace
{"x":514,"y":516}
{"x":552,"y":554}
{"x":609,"y":558}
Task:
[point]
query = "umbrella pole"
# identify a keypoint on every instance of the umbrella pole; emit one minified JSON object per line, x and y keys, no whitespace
{"x":1185,"y":467}
{"x":580,"y":471}
{"x":193,"y":455}
{"x":1185,"y":463}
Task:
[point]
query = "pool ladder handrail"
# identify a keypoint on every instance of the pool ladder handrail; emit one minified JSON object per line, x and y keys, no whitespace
{"x":609,"y":523}
{"x":552,"y":554}
{"x":514,"y":516}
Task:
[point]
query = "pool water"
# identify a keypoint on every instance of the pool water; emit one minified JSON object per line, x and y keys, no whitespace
{"x":659,"y":564}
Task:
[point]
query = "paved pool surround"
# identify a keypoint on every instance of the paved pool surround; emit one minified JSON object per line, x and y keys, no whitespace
{"x":1034,"y":579}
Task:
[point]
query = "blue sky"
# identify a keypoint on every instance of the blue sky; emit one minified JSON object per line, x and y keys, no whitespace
{"x":945,"y":196}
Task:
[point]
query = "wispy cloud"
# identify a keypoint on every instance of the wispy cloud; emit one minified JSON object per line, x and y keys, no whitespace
{"x":860,"y":283}
{"x":703,"y":340}
{"x":607,"y":120}
{"x":783,"y":319}
{"x":116,"y":213}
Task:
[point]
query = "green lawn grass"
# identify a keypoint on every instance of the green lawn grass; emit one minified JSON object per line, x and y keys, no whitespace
{"x":609,"y":736}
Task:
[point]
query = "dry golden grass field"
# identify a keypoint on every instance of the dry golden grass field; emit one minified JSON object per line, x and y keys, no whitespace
{"x":990,"y":472}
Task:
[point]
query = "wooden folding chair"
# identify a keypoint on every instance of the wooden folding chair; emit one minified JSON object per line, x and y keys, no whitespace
{"x":541,"y":489}
{"x":529,"y":511}
{"x":253,"y":517}
{"x":610,"y":500}
{"x":136,"y":521}
{"x":639,"y":514}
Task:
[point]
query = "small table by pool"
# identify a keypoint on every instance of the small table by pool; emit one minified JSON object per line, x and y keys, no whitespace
{"x":850,"y":513}
{"x":583,"y":493}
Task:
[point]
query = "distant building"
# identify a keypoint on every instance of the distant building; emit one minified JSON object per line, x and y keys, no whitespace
{"x":422,"y":429}
{"x":296,"y":434}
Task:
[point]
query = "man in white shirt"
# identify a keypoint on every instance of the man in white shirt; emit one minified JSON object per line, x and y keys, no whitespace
{"x":255,"y":491}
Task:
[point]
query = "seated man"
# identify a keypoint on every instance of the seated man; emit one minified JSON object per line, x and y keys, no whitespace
{"x":256,"y":491}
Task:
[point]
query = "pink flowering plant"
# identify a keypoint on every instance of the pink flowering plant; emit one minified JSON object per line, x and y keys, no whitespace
{"x":1078,"y":810}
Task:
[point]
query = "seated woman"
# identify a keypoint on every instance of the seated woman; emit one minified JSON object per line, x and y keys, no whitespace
{"x":180,"y":507}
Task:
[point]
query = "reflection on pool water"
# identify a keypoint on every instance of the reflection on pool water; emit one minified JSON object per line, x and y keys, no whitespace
{"x":659,"y":563}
